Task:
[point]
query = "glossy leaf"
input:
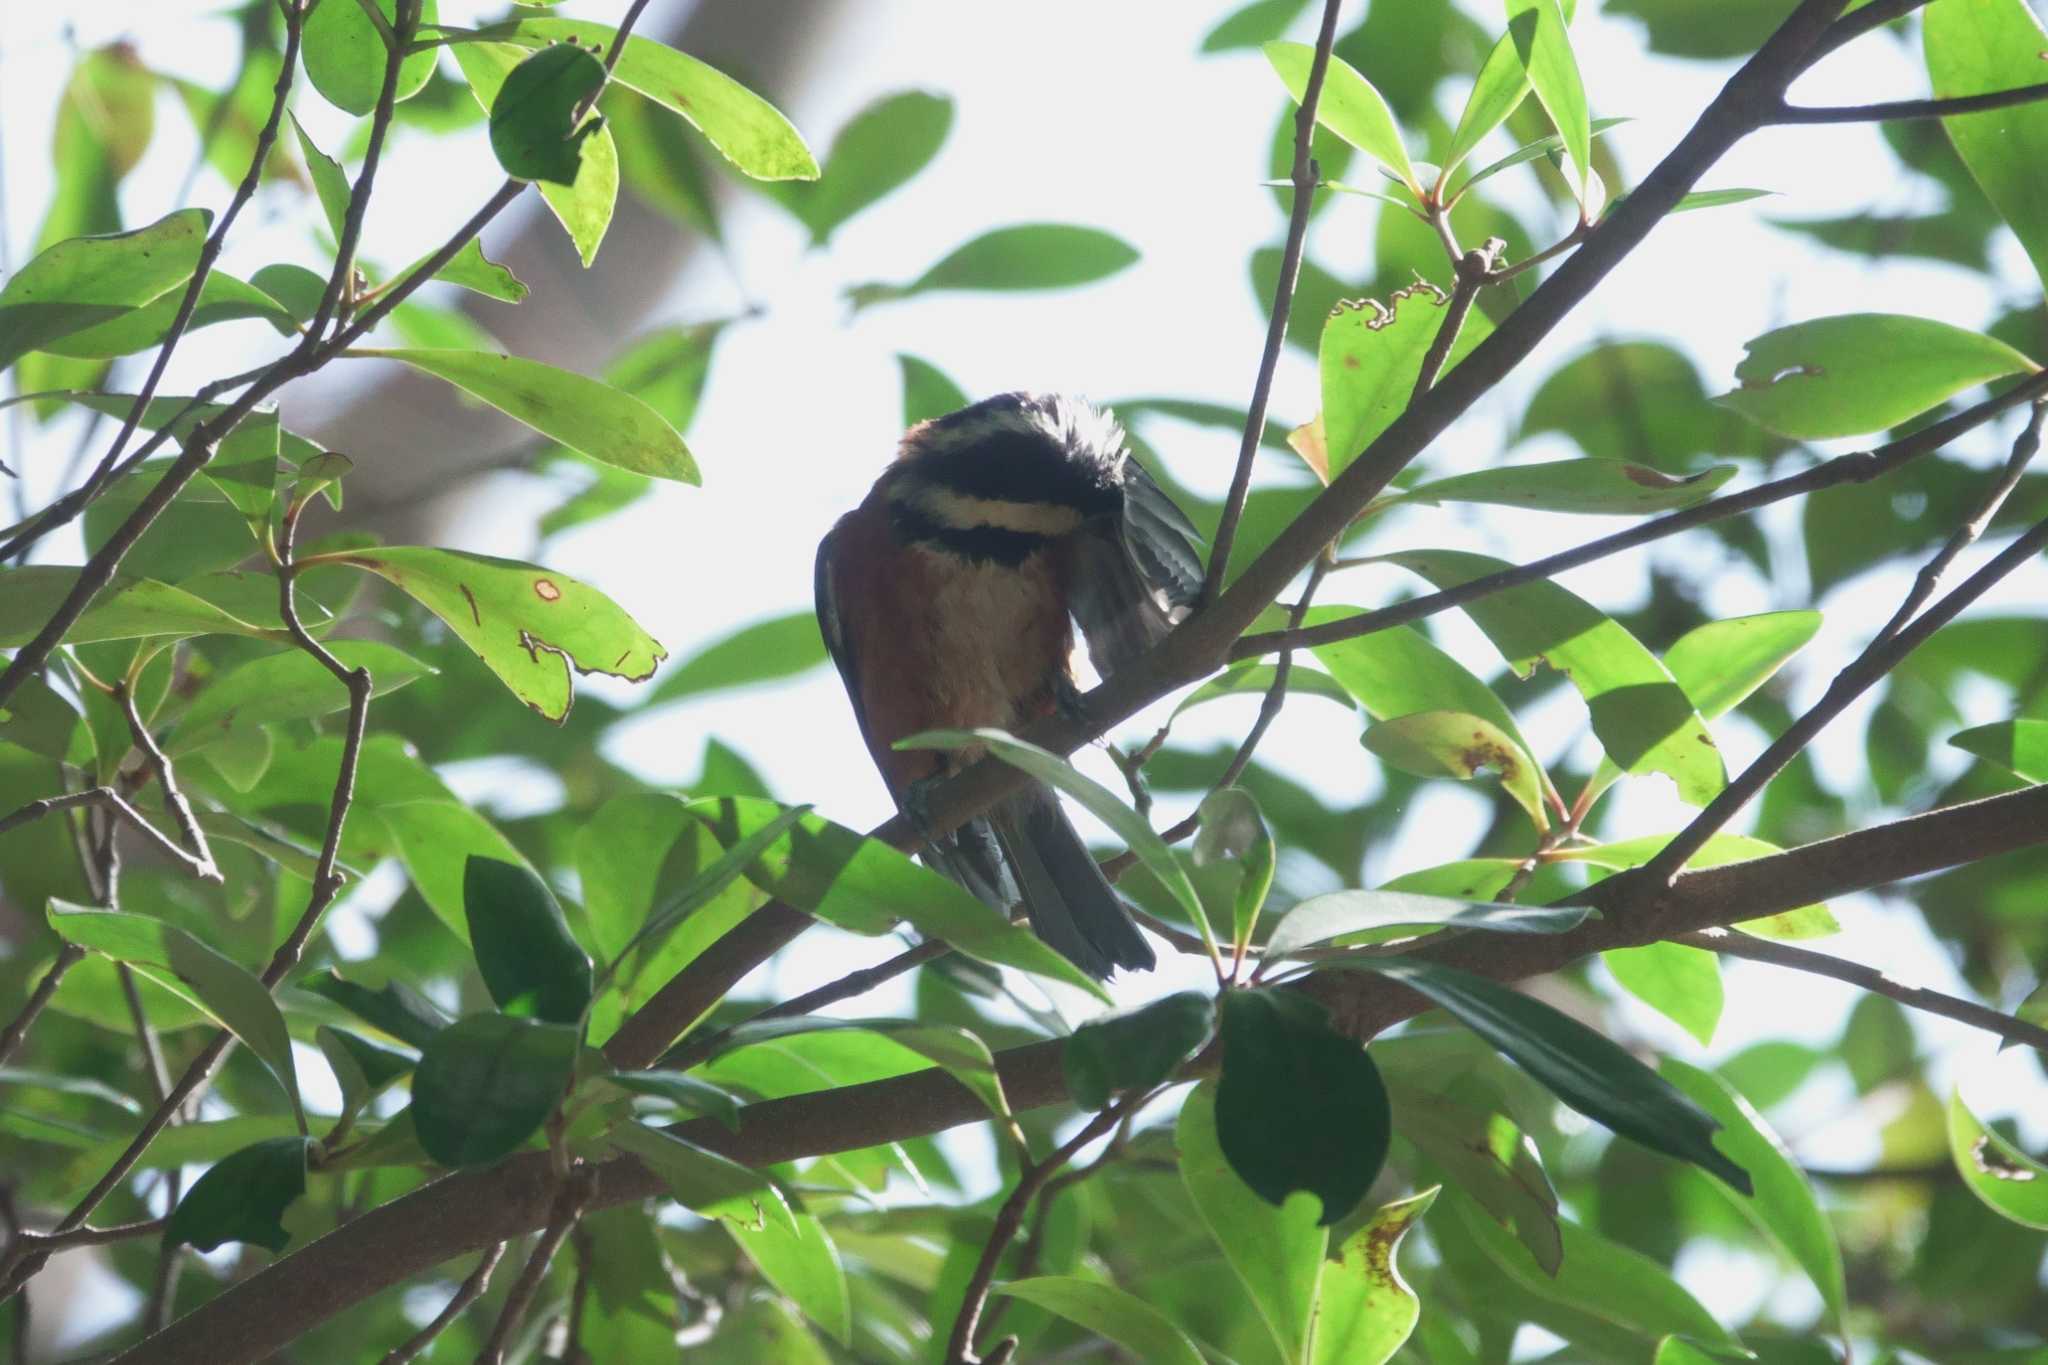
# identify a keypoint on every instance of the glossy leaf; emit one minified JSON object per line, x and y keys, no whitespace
{"x":1785,"y":1205}
{"x":1370,"y":357}
{"x":242,"y":1198}
{"x":961,"y":1054}
{"x":861,"y":884}
{"x":590,"y":417}
{"x":486,"y":1083}
{"x":534,"y":129}
{"x":766,"y":651}
{"x":345,"y":55}
{"x":86,"y":281}
{"x":1375,"y":916}
{"x":1587,"y":487}
{"x":1499,"y":89}
{"x":584,"y":205}
{"x":1299,"y":1106}
{"x":1455,"y":744}
{"x":1233,"y":832}
{"x":1541,"y":40}
{"x":2011,"y":1183}
{"x":361,"y":1069}
{"x":1489,"y":1159}
{"x":532,"y":964}
{"x":229,"y":993}
{"x":528,"y":624}
{"x":1861,"y":372}
{"x":289,"y":685}
{"x":704,"y":1182}
{"x":1586,"y":1070}
{"x":1551,"y":146}
{"x":223,"y":298}
{"x":1365,"y":1310}
{"x":1680,"y":982}
{"x":747,"y":130}
{"x":1349,"y":107}
{"x":880,"y":149}
{"x":1276,"y":1253}
{"x":1714,"y":199}
{"x":1131,"y":1051}
{"x":395,"y":1008}
{"x":1643,"y":718}
{"x":2020,"y":746}
{"x":330,"y":186}
{"x":1027,"y":256}
{"x":804,"y":1266}
{"x":1975,"y":47}
{"x":689,"y":1093}
{"x":127,"y":609}
{"x":1110,"y":1313}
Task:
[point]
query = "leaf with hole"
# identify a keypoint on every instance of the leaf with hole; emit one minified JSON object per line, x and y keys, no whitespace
{"x":1456,"y":744}
{"x":242,"y":1198}
{"x":1371,"y":357}
{"x":2009,"y":1182}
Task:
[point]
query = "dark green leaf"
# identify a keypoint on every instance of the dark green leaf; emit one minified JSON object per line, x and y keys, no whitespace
{"x":346,"y":57}
{"x":532,"y":964}
{"x":361,"y":1069}
{"x":1135,"y":1050}
{"x":689,"y":1093}
{"x":1376,"y":916}
{"x":1299,"y":1106}
{"x":287,"y":686}
{"x":485,"y":1084}
{"x":1110,"y":1313}
{"x":396,"y":1008}
{"x":533,"y":128}
{"x":86,"y":281}
{"x":1587,"y":487}
{"x":242,"y":1198}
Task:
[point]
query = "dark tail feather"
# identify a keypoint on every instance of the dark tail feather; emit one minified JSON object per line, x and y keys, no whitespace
{"x":1070,"y":902}
{"x":971,"y":856}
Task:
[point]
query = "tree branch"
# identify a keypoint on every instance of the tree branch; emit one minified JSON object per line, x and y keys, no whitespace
{"x":1304,"y":175}
{"x":200,"y":865}
{"x":201,"y":860}
{"x":1735,"y":944}
{"x":1893,"y":110}
{"x":470,"y":1291}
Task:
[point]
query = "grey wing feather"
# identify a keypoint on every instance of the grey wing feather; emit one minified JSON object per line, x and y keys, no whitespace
{"x":1131,"y":583}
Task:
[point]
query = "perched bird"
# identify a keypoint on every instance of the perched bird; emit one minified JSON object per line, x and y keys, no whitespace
{"x":948,"y":599}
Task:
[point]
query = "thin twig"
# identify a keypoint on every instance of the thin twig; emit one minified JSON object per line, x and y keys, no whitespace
{"x":170,"y":1259}
{"x":69,"y":955}
{"x":1896,"y":110}
{"x":201,"y":867}
{"x":470,"y":1291}
{"x":174,"y":800}
{"x":1304,"y":175}
{"x":18,"y":1339}
{"x":1473,"y":271}
{"x":1873,"y":663}
{"x":51,"y":1242}
{"x":960,"y":1344}
{"x":568,"y":1208}
{"x":1733,"y":943}
{"x":1857,"y":467}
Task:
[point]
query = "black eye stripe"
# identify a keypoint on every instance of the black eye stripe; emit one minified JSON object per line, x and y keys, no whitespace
{"x":981,"y":544}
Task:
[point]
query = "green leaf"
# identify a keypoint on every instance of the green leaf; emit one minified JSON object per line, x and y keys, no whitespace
{"x":1110,"y":1313}
{"x":880,"y":148}
{"x":528,"y":624}
{"x":595,"y":419}
{"x":290,"y":685}
{"x":747,"y":130}
{"x":345,"y":55}
{"x":927,"y":393}
{"x":223,"y":298}
{"x":689,"y":1093}
{"x":660,"y":161}
{"x":486,"y":1083}
{"x":1586,"y":1070}
{"x":1713,"y":199}
{"x":1299,"y":1106}
{"x":1460,"y":745}
{"x":1587,"y":487}
{"x":2012,"y":1184}
{"x":1974,"y":48}
{"x":861,"y":884}
{"x":1601,"y":1278}
{"x":395,"y":1008}
{"x":1252,"y":25}
{"x":1499,"y":89}
{"x":619,"y":855}
{"x":1784,"y":1206}
{"x":584,"y":205}
{"x":330,"y":185}
{"x":436,"y":840}
{"x":1049,"y":768}
{"x":766,"y":651}
{"x":1681,"y":983}
{"x":1371,"y":355}
{"x":1233,"y":831}
{"x":1251,"y":678}
{"x":1489,"y":1159}
{"x":1277,"y":1254}
{"x":242,"y":1198}
{"x":296,"y":289}
{"x":228,"y":992}
{"x":2020,"y":746}
{"x":533,"y":129}
{"x":1349,"y":107}
{"x":1131,"y":1051}
{"x":532,"y":964}
{"x":1720,"y":663}
{"x":1543,"y":146}
{"x":1643,"y":718}
{"x":1544,"y":45}
{"x":1365,"y":1310}
{"x":474,"y":271}
{"x":705,"y":1182}
{"x":86,"y":281}
{"x":1640,"y":401}
{"x":1377,"y":916}
{"x":1861,"y":372}
{"x":1806,"y":921}
{"x":1027,"y":256}
{"x":804,"y":1266}
{"x":961,"y":1054}
{"x":361,"y":1069}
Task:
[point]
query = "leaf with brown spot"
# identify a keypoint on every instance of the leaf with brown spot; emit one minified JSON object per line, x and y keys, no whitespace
{"x":1460,"y":745}
{"x":530,"y":638}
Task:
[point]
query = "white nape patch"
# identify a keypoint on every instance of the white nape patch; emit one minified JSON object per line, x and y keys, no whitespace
{"x":964,"y":512}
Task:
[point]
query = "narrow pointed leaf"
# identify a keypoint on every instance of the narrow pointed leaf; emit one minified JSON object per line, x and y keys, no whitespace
{"x":1375,"y":916}
{"x":1975,"y":47}
{"x":85,"y":281}
{"x":1587,"y":487}
{"x":805,"y":1266}
{"x":1349,"y":107}
{"x":705,"y":1182}
{"x":2018,"y":745}
{"x":1110,"y":1313}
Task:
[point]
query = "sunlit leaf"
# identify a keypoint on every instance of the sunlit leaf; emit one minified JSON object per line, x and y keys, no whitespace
{"x":1370,"y":358}
{"x":86,"y":281}
{"x":2010,"y":1182}
{"x":534,"y":128}
{"x":1111,"y":1313}
{"x":2019,"y":745}
{"x":880,"y":148}
{"x":1456,"y":744}
{"x":1365,"y":1310}
{"x":1680,"y":982}
{"x":1349,"y":107}
{"x":1975,"y":47}
{"x":345,"y":54}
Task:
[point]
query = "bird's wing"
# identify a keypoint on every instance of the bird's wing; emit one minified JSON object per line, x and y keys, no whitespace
{"x":833,"y":624}
{"x":1131,"y":582}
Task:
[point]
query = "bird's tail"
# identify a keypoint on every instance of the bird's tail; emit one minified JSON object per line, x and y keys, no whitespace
{"x":1071,"y":904}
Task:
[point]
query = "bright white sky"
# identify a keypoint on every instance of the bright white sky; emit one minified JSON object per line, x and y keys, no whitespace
{"x":1105,"y":115}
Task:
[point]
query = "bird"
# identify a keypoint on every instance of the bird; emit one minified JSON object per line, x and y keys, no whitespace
{"x":949,"y":599}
